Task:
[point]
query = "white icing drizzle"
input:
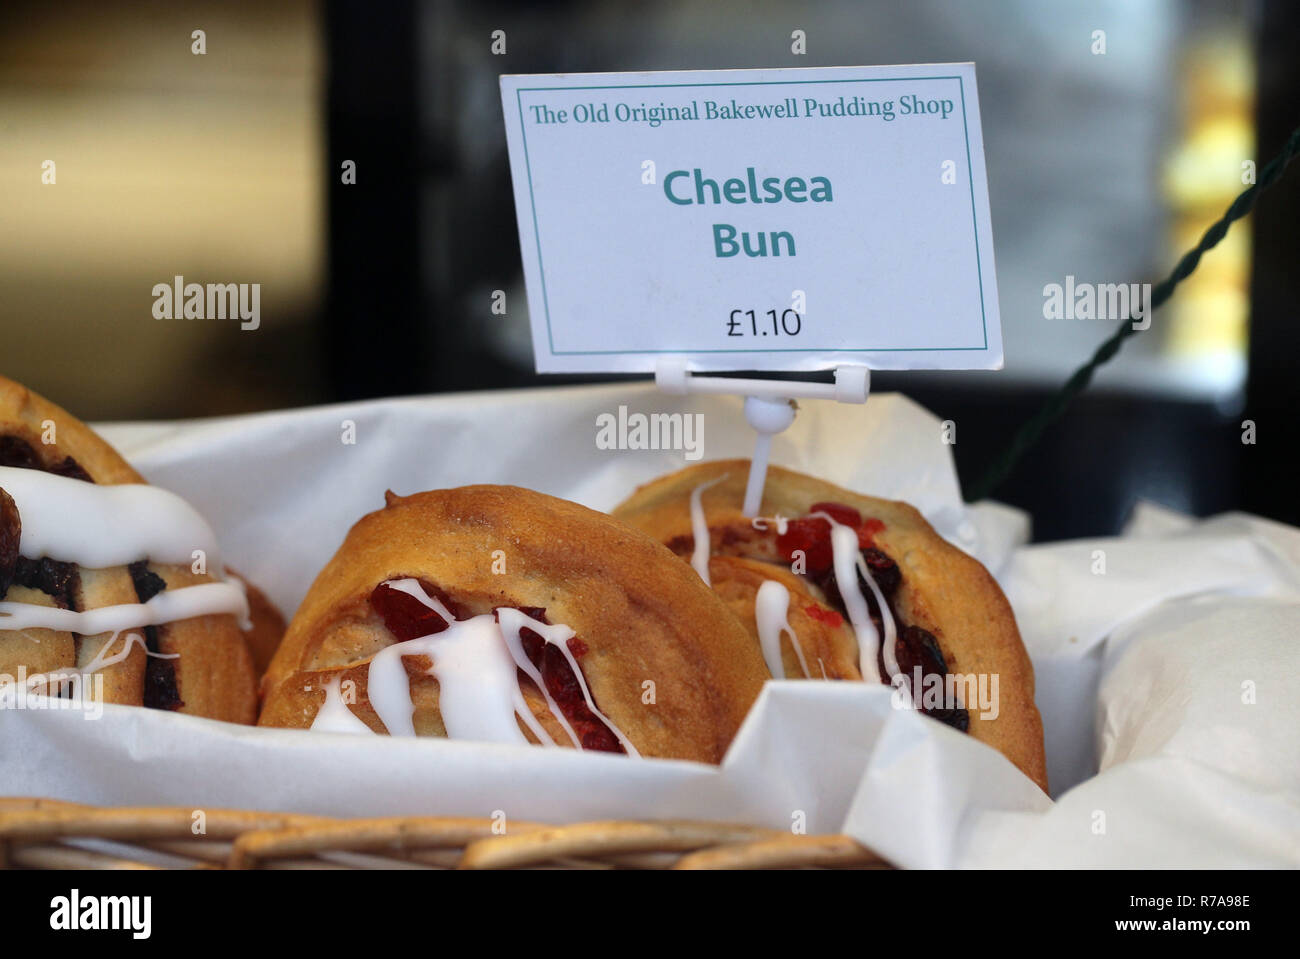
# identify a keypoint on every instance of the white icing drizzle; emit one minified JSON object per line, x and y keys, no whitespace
{"x":771,"y":610}
{"x":476,"y":662}
{"x":847,"y":555}
{"x":102,"y":660}
{"x":169,"y":606}
{"x":245,"y":617}
{"x":700,"y":530}
{"x":512,"y":621}
{"x":476,"y":675}
{"x":334,"y":715}
{"x":98,"y":527}
{"x":886,"y":619}
{"x":760,"y":523}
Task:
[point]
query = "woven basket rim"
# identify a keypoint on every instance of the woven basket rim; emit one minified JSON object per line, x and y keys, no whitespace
{"x":38,"y":832}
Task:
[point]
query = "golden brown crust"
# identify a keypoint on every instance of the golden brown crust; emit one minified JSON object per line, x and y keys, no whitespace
{"x":37,"y":650}
{"x":642,"y":614}
{"x":944,"y":590}
{"x":214,"y":671}
{"x":27,"y":415}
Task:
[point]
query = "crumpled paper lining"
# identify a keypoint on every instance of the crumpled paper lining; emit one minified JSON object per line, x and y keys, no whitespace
{"x":282,"y":489}
{"x":1154,"y":755}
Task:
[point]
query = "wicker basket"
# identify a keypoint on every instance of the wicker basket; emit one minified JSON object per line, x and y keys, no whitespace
{"x":51,"y":834}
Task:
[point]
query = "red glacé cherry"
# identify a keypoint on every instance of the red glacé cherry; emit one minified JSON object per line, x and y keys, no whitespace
{"x":812,"y":535}
{"x":562,"y":683}
{"x":845,"y":515}
{"x":824,"y":615}
{"x":405,"y":616}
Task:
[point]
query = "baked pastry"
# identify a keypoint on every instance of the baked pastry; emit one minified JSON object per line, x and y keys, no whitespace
{"x":825,"y":577}
{"x":495,"y":613}
{"x":104,"y":576}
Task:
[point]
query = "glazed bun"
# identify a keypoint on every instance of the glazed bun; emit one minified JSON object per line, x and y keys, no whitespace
{"x":99,"y":577}
{"x":781,"y":575}
{"x":498,"y":613}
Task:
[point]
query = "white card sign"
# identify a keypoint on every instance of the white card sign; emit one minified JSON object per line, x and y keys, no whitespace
{"x":792,"y":219}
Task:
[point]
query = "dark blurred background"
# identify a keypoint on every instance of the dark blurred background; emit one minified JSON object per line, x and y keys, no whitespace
{"x":227,"y":167}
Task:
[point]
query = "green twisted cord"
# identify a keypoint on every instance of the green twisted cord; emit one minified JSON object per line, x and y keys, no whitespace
{"x":1033,"y":429}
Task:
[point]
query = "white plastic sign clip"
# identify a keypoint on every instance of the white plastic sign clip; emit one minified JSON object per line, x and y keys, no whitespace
{"x":769,"y":406}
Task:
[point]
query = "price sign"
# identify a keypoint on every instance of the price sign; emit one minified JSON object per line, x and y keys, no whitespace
{"x":794,"y":219}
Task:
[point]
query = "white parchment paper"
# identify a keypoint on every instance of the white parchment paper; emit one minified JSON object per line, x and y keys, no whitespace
{"x":1168,"y":680}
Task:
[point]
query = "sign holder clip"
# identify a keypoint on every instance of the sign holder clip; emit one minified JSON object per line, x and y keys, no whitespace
{"x":769,"y":405}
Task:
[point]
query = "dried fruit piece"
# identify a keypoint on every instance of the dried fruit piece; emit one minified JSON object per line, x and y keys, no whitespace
{"x":917,"y":647}
{"x":883,"y":570}
{"x":562,"y":683}
{"x":71,"y":469}
{"x":147,"y":583}
{"x":824,"y":615}
{"x":810,"y":535}
{"x":845,"y":515}
{"x":405,"y":616}
{"x":867,"y":532}
{"x":60,"y":581}
{"x":11,"y":531}
{"x":18,"y":453}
